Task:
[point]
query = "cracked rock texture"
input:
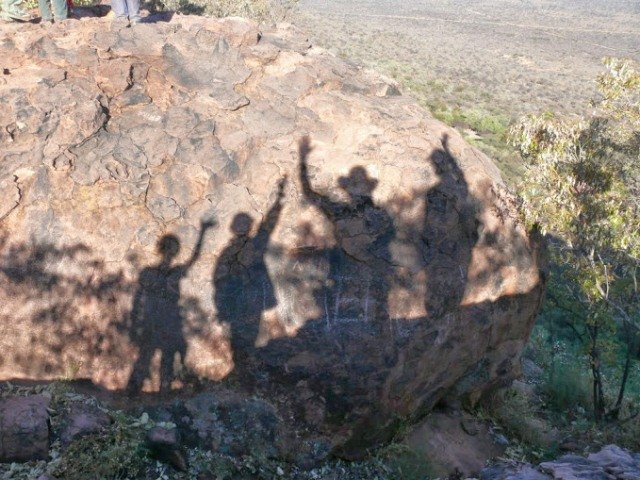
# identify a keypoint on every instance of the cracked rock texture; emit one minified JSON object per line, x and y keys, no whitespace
{"x":195,"y":200}
{"x":610,"y":463}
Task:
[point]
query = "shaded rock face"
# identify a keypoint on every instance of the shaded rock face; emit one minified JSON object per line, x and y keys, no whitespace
{"x":191,"y":199}
{"x":82,"y":420}
{"x":232,"y":425}
{"x":453,"y":442}
{"x":24,"y":428}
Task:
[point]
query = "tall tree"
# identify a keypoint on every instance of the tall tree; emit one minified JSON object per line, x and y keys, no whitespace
{"x":582,"y":188}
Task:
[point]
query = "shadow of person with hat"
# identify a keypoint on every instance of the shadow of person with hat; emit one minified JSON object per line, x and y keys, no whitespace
{"x":360,"y":263}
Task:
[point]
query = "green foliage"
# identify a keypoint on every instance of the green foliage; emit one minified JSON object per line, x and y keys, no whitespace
{"x":582,"y":190}
{"x":566,"y":386}
{"x":582,"y":178}
{"x":469,"y":110}
{"x":478,"y":120}
{"x":402,"y":463}
{"x":518,"y":416}
{"x":224,"y":467}
{"x":565,"y":394}
{"x":118,"y":452}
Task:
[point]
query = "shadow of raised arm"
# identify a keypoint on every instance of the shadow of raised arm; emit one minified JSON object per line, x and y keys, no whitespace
{"x":324,"y":203}
{"x":270,"y":221}
{"x":204,"y":226}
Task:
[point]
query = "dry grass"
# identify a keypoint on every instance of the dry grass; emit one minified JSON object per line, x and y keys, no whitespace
{"x":480,"y":65}
{"x":259,"y":10}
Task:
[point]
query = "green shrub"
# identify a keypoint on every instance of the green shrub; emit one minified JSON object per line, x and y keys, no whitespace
{"x":402,"y":463}
{"x":515,"y":413}
{"x":479,"y":120}
{"x":567,"y":387}
{"x":581,"y":189}
{"x":119,"y":452}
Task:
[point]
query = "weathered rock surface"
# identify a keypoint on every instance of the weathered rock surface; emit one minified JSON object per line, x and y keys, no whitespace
{"x":515,"y":471}
{"x":24,"y":428}
{"x":80,"y":420}
{"x":164,"y":444}
{"x":191,"y":199}
{"x":226,"y":423}
{"x":453,"y":443}
{"x":610,"y":463}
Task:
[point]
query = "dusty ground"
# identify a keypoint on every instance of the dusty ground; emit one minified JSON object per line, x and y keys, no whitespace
{"x":478,"y":64}
{"x":524,"y":54}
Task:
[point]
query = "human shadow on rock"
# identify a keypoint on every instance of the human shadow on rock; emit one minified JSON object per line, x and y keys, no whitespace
{"x":449,"y":234}
{"x":360,"y":265}
{"x":445,"y":239}
{"x":351,"y":357}
{"x":243,"y":288}
{"x":340,"y":354}
{"x":156,"y":319}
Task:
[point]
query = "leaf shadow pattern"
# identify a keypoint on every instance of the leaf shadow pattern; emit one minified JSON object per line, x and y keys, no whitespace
{"x":243,"y":291}
{"x":77,"y":319}
{"x":69,"y":310}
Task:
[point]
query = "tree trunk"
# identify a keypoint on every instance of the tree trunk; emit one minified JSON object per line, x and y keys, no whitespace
{"x":598,"y":394}
{"x":632,"y":347}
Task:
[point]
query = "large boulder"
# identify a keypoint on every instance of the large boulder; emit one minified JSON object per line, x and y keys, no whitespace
{"x":195,"y":200}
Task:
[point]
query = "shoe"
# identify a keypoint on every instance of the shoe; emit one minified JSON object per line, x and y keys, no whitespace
{"x":119,"y":22}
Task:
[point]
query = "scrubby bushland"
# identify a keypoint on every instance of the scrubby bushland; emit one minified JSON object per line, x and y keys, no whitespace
{"x":259,"y":10}
{"x":582,"y":188}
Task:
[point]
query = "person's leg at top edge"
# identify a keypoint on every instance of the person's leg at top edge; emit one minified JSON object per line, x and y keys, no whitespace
{"x":45,"y":11}
{"x":60,"y":10}
{"x":11,"y":11}
{"x":121,"y":13}
{"x":133,"y":8}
